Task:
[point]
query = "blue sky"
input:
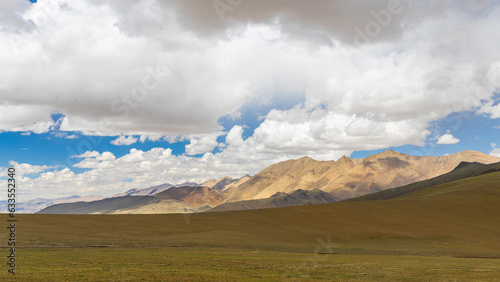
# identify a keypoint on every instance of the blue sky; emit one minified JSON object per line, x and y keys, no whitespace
{"x":476,"y":132}
{"x":142,"y":96}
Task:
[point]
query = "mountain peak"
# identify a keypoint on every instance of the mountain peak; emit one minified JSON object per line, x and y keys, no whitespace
{"x":344,"y":158}
{"x":305,"y":158}
{"x":388,"y":153}
{"x":346,"y":161}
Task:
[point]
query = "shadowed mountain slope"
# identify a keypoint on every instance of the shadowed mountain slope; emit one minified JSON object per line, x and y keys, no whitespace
{"x":152,"y":190}
{"x":463,"y":170}
{"x":196,"y":196}
{"x":225,"y":184}
{"x":280,"y":199}
{"x":343,"y":179}
{"x":127,"y":204}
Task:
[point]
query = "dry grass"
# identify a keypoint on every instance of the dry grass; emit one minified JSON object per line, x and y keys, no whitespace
{"x":451,"y":230}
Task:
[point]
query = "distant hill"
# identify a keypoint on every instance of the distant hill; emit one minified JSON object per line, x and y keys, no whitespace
{"x":153,"y":190}
{"x":121,"y":205}
{"x":186,"y":199}
{"x":196,"y":196}
{"x":275,"y":185}
{"x":463,"y":170}
{"x":225,"y":184}
{"x":35,"y":205}
{"x":280,"y":199}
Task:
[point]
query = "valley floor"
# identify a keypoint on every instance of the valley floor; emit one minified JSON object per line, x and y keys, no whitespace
{"x":448,"y":232}
{"x":229,"y":264}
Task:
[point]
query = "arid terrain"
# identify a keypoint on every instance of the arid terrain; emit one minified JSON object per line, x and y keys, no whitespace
{"x":447,"y":230}
{"x":277,"y":185}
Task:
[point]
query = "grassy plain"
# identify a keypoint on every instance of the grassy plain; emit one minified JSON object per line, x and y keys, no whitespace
{"x":228,"y":264}
{"x":443,"y":233}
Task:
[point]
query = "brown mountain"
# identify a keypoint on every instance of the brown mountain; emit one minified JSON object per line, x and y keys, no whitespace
{"x":122,"y":205}
{"x":462,"y":171}
{"x":347,"y":178}
{"x":152,"y":190}
{"x":296,"y":198}
{"x":226,"y":183}
{"x":196,"y":196}
{"x":342,"y":179}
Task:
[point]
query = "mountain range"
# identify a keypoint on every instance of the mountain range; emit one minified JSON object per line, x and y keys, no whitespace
{"x":288,"y":183}
{"x":281,"y":199}
{"x":35,"y":205}
{"x":153,"y":190}
{"x":348,"y":178}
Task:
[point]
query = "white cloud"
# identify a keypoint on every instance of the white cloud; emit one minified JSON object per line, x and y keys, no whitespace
{"x":234,"y":137}
{"x":96,"y":160}
{"x":37,"y":127}
{"x":142,"y":69}
{"x":88,"y":154}
{"x":106,"y":156}
{"x":447,"y":139}
{"x":495,"y":152}
{"x":115,"y":86}
{"x":492,"y":110}
{"x":202,"y":144}
{"x":144,"y":138}
{"x":25,"y":169}
{"x":124,"y":140}
{"x":65,"y":135}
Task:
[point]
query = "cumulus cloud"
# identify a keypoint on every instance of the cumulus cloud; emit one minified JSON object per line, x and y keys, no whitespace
{"x":495,"y":152}
{"x":37,"y":127}
{"x":139,"y":68}
{"x":202,"y":144}
{"x":234,"y":136}
{"x":490,"y":109}
{"x":447,"y":139}
{"x":109,"y":175}
{"x":25,"y":169}
{"x":65,"y":135}
{"x":124,"y":140}
{"x":96,"y":160}
{"x":169,"y":70}
{"x":89,"y":154}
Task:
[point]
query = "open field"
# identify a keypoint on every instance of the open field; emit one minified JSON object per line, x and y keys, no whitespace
{"x":207,"y":264}
{"x":446,"y":232}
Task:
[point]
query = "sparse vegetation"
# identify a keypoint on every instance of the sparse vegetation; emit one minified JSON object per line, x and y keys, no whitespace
{"x":207,"y":264}
{"x":445,"y":232}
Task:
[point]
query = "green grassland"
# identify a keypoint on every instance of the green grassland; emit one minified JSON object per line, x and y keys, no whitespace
{"x":446,"y":232}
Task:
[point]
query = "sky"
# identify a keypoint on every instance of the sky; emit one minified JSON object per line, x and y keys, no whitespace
{"x":98,"y":97}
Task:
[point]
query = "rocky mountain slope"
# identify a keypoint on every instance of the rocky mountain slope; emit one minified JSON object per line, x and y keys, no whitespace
{"x":225,"y":184}
{"x":196,"y":196}
{"x":293,"y":182}
{"x":462,"y":171}
{"x":122,"y":205}
{"x":280,"y":199}
{"x":153,"y":190}
{"x":347,"y":178}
